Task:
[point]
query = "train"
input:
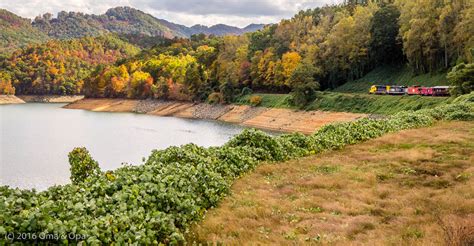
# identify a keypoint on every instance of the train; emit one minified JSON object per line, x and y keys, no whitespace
{"x":442,"y":91}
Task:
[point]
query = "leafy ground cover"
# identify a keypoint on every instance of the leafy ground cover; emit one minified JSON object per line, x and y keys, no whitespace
{"x":158,"y":201}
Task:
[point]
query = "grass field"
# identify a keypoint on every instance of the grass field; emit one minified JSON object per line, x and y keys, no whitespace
{"x":352,"y":102}
{"x":392,"y":75}
{"x":409,"y":188}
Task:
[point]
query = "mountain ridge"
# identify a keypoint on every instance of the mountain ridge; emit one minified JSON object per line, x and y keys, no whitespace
{"x":126,"y":20}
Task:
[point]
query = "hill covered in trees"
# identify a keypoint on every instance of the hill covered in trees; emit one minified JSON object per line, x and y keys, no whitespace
{"x":317,"y":49}
{"x":17,"y":32}
{"x":125,"y":20}
{"x":59,"y":67}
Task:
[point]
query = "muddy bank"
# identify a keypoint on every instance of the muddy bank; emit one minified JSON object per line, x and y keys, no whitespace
{"x":284,"y":120}
{"x":50,"y":98}
{"x":10,"y":99}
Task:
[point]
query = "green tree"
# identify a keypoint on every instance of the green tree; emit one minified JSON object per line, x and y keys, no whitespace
{"x":384,"y":44}
{"x":193,"y":79}
{"x":462,"y":79}
{"x":82,"y":165}
{"x":304,"y":86}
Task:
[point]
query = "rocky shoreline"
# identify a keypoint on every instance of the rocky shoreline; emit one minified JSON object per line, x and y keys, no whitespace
{"x":275,"y":119}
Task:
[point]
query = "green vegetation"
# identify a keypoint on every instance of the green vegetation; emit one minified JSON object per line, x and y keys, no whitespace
{"x":82,"y":165}
{"x":60,"y":67}
{"x":267,"y":100}
{"x":360,"y":103}
{"x":157,"y":201}
{"x":393,"y":75}
{"x":17,"y":32}
{"x":126,"y":21}
{"x":347,"y":102}
{"x":462,"y":78}
{"x":122,"y":20}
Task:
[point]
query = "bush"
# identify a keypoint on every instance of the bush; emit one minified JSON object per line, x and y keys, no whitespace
{"x":82,"y":165}
{"x":246,"y":91}
{"x":303,"y":94}
{"x":215,"y":97}
{"x":255,"y":100}
{"x":462,"y":79}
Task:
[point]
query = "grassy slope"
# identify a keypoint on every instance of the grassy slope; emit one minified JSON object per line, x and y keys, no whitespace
{"x":352,"y":102}
{"x":392,"y":76}
{"x":397,"y":189}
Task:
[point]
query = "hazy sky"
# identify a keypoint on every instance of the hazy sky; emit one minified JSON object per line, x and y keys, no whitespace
{"x":187,"y":12}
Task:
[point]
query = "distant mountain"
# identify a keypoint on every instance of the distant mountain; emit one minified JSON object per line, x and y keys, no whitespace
{"x":122,"y":20}
{"x":17,"y":32}
{"x":126,"y":20}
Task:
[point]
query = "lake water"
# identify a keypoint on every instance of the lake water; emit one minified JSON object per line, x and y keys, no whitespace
{"x":36,"y":139}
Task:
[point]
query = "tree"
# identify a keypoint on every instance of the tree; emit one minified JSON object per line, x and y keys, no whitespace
{"x":82,"y":165}
{"x":384,"y":44}
{"x":464,"y":35}
{"x":6,"y":87}
{"x":193,"y":79}
{"x":289,"y":62}
{"x":303,"y":85}
{"x":461,"y":78}
{"x":140,"y":85}
{"x":419,"y":31}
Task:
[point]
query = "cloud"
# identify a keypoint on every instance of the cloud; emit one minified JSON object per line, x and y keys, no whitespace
{"x":187,"y":12}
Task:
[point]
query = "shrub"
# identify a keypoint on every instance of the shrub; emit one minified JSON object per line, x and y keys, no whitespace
{"x":255,"y":100}
{"x":215,"y":97}
{"x":246,"y":91}
{"x":303,"y":94}
{"x":462,"y":79}
{"x":82,"y":165}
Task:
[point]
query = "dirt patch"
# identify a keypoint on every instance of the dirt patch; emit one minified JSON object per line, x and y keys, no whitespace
{"x":10,"y":99}
{"x":283,"y":120}
{"x":301,"y":121}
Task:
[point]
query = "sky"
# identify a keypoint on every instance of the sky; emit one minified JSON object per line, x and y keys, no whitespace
{"x":187,"y":12}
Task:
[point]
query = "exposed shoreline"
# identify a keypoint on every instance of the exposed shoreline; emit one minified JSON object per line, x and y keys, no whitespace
{"x":49,"y":98}
{"x":10,"y":99}
{"x":275,"y":119}
{"x":18,"y":99}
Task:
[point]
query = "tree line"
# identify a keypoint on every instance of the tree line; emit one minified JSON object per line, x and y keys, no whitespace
{"x":59,"y":67}
{"x":317,"y":49}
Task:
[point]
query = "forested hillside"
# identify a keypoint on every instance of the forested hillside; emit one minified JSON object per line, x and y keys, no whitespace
{"x":17,"y":32}
{"x":59,"y":67}
{"x":317,"y":49}
{"x":125,"y":20}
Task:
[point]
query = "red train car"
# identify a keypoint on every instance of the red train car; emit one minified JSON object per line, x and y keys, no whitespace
{"x":414,"y":90}
{"x":427,"y":91}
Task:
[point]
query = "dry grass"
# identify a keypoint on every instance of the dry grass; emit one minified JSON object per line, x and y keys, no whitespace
{"x":408,"y":188}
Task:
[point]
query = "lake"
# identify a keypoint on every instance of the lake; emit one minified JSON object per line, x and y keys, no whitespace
{"x":36,"y":139}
